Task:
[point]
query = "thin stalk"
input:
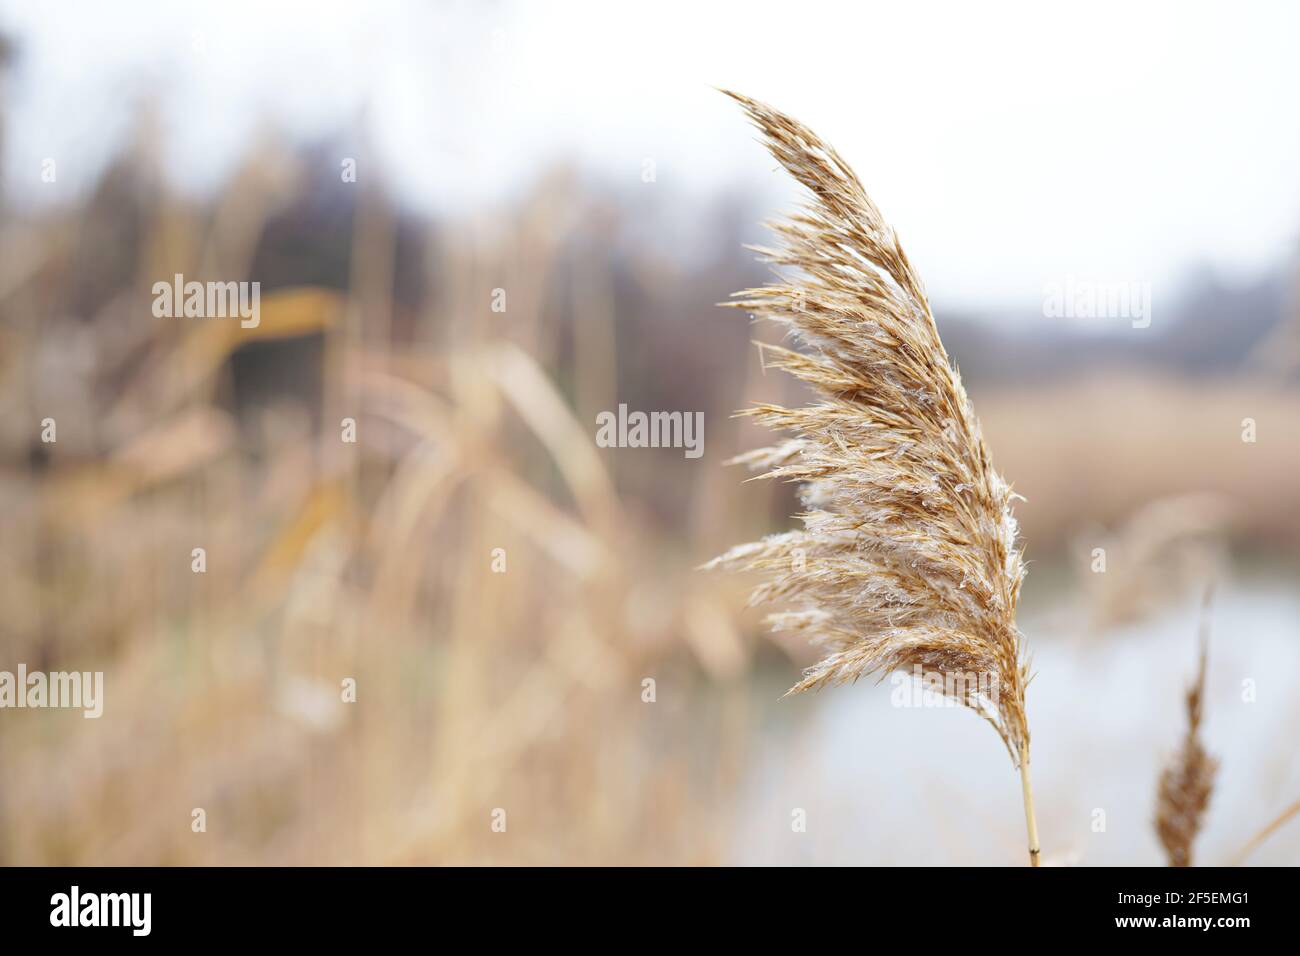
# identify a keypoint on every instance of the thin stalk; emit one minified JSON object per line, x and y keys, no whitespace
{"x":1031,"y":823}
{"x":1265,"y":833}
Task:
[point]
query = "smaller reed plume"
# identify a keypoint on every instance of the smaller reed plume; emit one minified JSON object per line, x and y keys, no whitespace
{"x":1187,"y":782}
{"x":908,"y":558}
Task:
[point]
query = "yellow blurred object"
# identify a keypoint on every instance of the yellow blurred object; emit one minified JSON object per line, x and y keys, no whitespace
{"x":288,"y":313}
{"x":325,"y":503}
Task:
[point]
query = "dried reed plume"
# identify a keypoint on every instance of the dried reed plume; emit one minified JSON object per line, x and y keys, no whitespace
{"x":1187,"y":782}
{"x":908,"y":553}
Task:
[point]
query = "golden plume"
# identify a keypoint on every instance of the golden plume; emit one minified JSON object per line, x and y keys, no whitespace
{"x":907,"y":558}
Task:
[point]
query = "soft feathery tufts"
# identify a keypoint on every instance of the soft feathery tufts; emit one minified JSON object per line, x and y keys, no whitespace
{"x":908,"y":554}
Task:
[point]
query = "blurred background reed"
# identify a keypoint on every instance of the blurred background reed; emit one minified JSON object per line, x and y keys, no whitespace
{"x":523,"y":690}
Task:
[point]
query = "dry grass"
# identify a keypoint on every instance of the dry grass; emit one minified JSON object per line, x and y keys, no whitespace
{"x":476,"y":690}
{"x":908,"y":556}
{"x":1064,"y":441}
{"x":1185,"y":786}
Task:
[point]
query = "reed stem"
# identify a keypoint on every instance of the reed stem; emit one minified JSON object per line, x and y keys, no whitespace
{"x":1031,"y":822}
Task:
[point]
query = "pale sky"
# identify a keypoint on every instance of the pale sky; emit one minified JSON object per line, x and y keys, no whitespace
{"x":1011,"y":145}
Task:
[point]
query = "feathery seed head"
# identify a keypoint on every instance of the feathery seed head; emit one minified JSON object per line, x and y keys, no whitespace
{"x":908,"y":553}
{"x":1186,"y":783}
